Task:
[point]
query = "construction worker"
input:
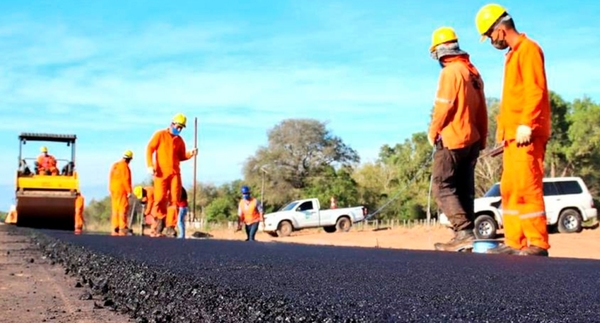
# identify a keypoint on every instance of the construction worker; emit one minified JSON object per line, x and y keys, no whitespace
{"x":146,"y":197}
{"x":46,"y":163}
{"x":524,"y":126}
{"x":79,"y":203}
{"x":11,"y":217}
{"x":120,"y":191}
{"x":332,"y":203}
{"x":182,"y":207}
{"x":164,"y":153}
{"x":250,"y":213}
{"x":458,"y":131}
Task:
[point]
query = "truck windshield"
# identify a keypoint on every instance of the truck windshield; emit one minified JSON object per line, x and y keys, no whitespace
{"x":289,"y":207}
{"x":494,"y":191}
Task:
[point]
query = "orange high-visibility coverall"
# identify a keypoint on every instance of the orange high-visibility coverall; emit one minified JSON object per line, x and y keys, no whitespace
{"x":168,"y":151}
{"x":79,"y":202}
{"x":525,"y":101}
{"x":120,"y":188}
{"x":47,"y":163}
{"x":149,"y":200}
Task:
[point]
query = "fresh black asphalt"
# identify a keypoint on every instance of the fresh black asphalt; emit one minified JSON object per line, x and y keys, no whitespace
{"x":170,"y":280}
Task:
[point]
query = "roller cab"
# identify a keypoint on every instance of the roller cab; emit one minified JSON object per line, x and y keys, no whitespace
{"x":46,"y":199}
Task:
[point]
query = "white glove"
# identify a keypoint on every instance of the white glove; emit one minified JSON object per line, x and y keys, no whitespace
{"x":523,"y":134}
{"x":194,"y":152}
{"x":151,"y":170}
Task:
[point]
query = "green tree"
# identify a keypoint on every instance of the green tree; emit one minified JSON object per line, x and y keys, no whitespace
{"x":557,"y":148}
{"x":221,"y":209}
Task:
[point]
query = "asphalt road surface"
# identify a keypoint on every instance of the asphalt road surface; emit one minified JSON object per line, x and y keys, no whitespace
{"x":170,"y":280}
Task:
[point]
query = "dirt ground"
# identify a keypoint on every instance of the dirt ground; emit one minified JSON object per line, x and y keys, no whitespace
{"x":578,"y":245}
{"x":33,"y":290}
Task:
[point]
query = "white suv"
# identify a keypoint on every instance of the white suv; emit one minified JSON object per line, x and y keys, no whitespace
{"x":568,"y":205}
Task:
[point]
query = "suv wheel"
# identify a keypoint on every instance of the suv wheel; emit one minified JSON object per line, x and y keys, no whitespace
{"x":485,"y":227}
{"x":569,"y":221}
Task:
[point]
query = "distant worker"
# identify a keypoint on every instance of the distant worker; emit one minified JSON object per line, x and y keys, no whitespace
{"x":524,"y":126}
{"x":120,"y":191}
{"x":11,"y":217}
{"x":164,"y":153}
{"x":332,"y":203}
{"x":79,"y":203}
{"x":46,"y":163}
{"x":146,"y":197}
{"x":458,"y":131}
{"x":250,"y":213}
{"x":183,"y":208}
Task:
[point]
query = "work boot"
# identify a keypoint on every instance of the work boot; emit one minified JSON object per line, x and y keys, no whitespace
{"x":170,"y":232}
{"x":115,"y":232}
{"x":503,"y":249}
{"x":462,"y":240}
{"x":534,"y":251}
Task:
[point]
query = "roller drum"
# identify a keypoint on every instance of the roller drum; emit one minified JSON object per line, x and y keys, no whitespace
{"x":46,"y":210}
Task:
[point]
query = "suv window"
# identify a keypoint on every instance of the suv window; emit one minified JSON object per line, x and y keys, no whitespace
{"x":494,"y":191}
{"x":569,"y":187}
{"x":550,"y":189}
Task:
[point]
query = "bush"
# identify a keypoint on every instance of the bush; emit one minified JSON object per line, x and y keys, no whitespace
{"x":220,"y":209}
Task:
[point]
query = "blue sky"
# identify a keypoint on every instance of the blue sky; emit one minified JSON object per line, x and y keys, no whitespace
{"x":114,"y":72}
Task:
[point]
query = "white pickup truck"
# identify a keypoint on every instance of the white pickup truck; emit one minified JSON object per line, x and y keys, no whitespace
{"x":302,"y":214}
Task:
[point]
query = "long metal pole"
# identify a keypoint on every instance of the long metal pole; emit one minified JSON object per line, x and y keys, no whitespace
{"x":195,"y":162}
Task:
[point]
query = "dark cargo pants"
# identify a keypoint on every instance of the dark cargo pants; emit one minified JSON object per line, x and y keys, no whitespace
{"x":454,"y":184}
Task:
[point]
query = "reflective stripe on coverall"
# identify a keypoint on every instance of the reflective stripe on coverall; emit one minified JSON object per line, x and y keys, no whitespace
{"x":525,"y":101}
{"x":79,"y":202}
{"x":168,"y":151}
{"x":120,"y":187}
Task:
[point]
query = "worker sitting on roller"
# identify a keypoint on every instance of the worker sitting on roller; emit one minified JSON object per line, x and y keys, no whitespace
{"x":46,"y":163}
{"x":120,"y":191}
{"x":11,"y":217}
{"x":79,"y":202}
{"x":146,"y":197}
{"x":164,"y":153}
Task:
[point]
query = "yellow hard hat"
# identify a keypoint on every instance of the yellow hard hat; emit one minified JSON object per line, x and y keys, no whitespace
{"x":487,"y":16}
{"x":442,"y":35}
{"x":128,"y":154}
{"x":138,"y":192}
{"x":44,"y":149}
{"x":180,"y":119}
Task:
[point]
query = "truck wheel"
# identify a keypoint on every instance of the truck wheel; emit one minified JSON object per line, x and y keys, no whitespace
{"x":485,"y":227}
{"x":343,"y":224}
{"x":569,"y":221}
{"x":329,"y":228}
{"x":284,"y":229}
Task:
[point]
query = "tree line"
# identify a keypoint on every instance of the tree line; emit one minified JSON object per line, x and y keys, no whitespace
{"x":303,"y":159}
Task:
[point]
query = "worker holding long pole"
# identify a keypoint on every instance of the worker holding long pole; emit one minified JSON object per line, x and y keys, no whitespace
{"x":524,"y":126}
{"x":164,"y":153}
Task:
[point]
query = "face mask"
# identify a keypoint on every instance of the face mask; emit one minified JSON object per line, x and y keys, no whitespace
{"x":175,"y":131}
{"x":246,"y":196}
{"x":441,"y":64}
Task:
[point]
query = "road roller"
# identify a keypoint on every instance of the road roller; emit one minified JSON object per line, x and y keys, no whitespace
{"x":46,"y":199}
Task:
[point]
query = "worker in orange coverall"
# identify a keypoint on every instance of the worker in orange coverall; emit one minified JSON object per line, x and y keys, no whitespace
{"x":458,"y":130}
{"x":146,"y":197}
{"x":120,"y":191}
{"x":46,"y":163}
{"x":164,"y":153}
{"x":11,"y":217}
{"x":79,"y":202}
{"x":524,"y":126}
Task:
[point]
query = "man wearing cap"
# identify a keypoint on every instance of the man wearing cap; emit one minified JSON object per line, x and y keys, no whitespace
{"x":165,"y":151}
{"x":250,"y":213}
{"x":120,"y":191}
{"x":458,"y":131}
{"x":524,"y":126}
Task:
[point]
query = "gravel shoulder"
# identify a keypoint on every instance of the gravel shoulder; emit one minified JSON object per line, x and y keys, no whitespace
{"x":34,"y":289}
